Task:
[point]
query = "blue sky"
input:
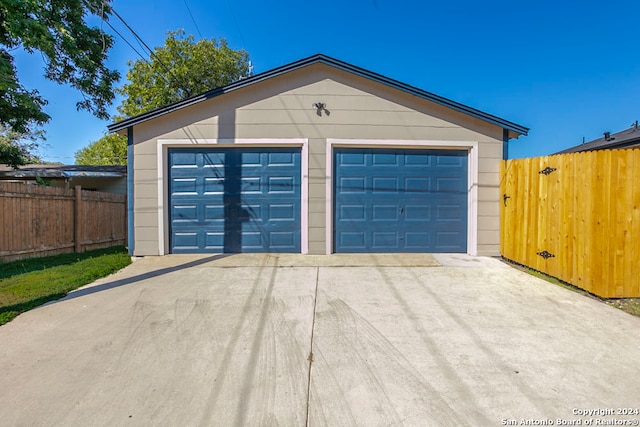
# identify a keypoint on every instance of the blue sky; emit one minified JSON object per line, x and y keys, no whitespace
{"x":565,"y":69}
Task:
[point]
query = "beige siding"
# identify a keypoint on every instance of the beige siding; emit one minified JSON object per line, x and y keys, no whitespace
{"x":282,"y":108}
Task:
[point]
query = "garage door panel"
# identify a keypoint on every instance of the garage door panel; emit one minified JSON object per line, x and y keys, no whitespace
{"x":416,"y":240}
{"x":250,"y":159}
{"x":214,"y":212}
{"x":186,"y":239}
{"x":250,"y":213}
{"x":281,"y":159}
{"x":384,"y":213}
{"x":185,"y":186}
{"x":352,"y":212}
{"x":384,"y":184}
{"x":282,"y":212}
{"x":384,"y":159}
{"x":185,"y":212}
{"x":281,"y":239}
{"x":184,"y":160}
{"x":234,"y":206}
{"x":450,"y":184}
{"x":251,"y":240}
{"x":450,"y":161}
{"x":281,"y":184}
{"x":213,"y":185}
{"x":351,"y":159}
{"x":417,"y":185}
{"x":250,"y":185}
{"x":214,"y":239}
{"x":384,"y":240}
{"x":450,"y":213}
{"x":418,"y":159}
{"x":448,"y":240}
{"x":404,"y":199}
{"x":212,"y":159}
{"x":415,"y":212}
{"x":353,"y":184}
{"x":354,"y":240}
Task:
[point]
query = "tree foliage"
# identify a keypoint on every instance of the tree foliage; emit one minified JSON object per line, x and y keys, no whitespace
{"x":74,"y":53}
{"x":16,"y":149}
{"x":183,"y":67}
{"x":111,"y":149}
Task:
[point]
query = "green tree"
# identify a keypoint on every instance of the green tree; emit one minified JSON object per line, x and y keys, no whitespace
{"x":183,"y":67}
{"x":111,"y":149}
{"x":17,"y":149}
{"x":74,"y":53}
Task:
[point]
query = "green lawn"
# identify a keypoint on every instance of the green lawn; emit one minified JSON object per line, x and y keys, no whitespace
{"x":28,"y":283}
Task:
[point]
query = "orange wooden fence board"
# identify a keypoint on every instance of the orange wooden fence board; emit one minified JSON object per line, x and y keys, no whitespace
{"x":586,"y":214}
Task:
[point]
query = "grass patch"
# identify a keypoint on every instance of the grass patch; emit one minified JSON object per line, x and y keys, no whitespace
{"x":28,"y":283}
{"x":628,"y":305}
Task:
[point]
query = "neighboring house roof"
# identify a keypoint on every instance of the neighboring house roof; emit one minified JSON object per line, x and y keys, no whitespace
{"x":624,"y":139}
{"x":62,"y":171}
{"x":321,"y":59}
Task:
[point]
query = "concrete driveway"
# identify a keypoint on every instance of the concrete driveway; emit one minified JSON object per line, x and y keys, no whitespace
{"x":371,"y":340}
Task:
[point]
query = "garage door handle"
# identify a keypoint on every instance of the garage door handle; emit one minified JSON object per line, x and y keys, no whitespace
{"x":401,"y":211}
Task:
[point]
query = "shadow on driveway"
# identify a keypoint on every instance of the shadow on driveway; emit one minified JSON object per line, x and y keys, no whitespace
{"x":129,"y":280}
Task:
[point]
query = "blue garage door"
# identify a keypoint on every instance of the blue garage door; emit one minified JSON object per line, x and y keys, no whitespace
{"x":234,"y":200}
{"x":390,"y":200}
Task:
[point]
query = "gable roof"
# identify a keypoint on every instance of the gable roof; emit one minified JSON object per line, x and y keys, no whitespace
{"x":321,"y":59}
{"x":622,"y":139}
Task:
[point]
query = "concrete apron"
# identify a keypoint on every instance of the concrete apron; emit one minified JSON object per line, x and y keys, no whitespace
{"x":293,"y":340}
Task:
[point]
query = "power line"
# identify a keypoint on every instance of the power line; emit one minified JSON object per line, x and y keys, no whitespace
{"x":192,"y":18}
{"x":237,"y":26}
{"x":127,"y":42}
{"x":151,"y":53}
{"x":132,"y":47}
{"x":146,"y":46}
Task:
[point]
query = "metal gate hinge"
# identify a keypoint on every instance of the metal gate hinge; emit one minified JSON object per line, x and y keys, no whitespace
{"x":546,"y":255}
{"x":547,"y":170}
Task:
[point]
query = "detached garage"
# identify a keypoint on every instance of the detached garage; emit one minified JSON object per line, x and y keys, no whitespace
{"x":315,"y":157}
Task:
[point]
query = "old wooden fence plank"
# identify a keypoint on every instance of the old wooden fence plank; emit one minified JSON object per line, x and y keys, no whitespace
{"x":40,"y":221}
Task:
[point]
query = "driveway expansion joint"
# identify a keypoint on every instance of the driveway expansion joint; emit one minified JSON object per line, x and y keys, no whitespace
{"x":310,"y":356}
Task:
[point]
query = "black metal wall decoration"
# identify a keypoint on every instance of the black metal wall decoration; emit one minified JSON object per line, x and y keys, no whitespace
{"x":547,"y":170}
{"x":546,"y":255}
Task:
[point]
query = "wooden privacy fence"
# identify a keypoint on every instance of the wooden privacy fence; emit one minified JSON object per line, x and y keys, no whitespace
{"x":576,"y":217}
{"x":41,"y":221}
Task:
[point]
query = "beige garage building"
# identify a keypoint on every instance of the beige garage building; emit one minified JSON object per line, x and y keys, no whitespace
{"x":315,"y":157}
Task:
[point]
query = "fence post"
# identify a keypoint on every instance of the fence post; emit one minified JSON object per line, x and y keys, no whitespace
{"x":78,"y":220}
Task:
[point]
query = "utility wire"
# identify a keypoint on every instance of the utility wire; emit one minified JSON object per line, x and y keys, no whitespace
{"x":132,"y":30}
{"x":132,"y":47}
{"x":192,"y":18}
{"x":127,"y":42}
{"x":152,"y":54}
{"x":244,"y":45}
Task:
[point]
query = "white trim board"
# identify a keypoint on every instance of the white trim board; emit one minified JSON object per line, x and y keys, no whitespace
{"x":163,"y":185}
{"x":472,"y":183}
